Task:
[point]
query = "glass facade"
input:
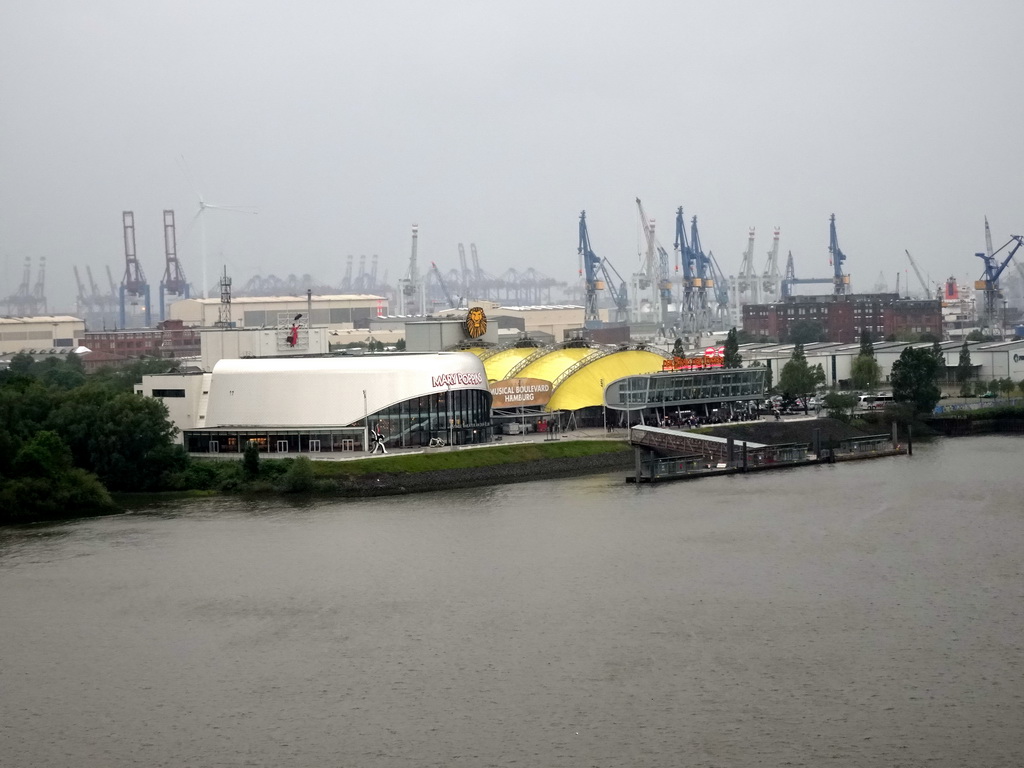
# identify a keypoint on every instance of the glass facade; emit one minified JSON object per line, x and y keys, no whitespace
{"x":683,"y":388}
{"x":458,"y":417}
{"x":275,"y":440}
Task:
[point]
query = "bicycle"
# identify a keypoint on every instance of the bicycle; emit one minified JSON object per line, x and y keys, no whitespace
{"x":437,"y":442}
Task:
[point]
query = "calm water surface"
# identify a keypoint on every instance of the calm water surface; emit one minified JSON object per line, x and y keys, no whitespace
{"x":866,"y":614}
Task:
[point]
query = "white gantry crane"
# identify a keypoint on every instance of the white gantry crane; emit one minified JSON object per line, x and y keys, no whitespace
{"x":771,"y":281}
{"x":653,"y":279}
{"x":746,"y":284}
{"x":411,"y":286}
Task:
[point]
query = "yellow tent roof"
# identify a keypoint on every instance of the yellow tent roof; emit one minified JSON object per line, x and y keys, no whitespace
{"x":583,"y":388}
{"x":499,"y":364}
{"x":555,"y":363}
{"x":586,"y":386}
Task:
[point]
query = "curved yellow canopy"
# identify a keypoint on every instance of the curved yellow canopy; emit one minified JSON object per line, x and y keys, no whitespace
{"x":586,"y":386}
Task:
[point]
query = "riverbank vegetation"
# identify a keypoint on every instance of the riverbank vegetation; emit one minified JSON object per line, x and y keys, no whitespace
{"x":68,"y":442}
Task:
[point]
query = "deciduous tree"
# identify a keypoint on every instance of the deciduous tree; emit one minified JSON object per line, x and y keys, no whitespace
{"x":866,"y":347}
{"x":732,"y":357}
{"x":915,"y":379}
{"x":865,"y":372}
{"x":964,"y":371}
{"x":798,"y":379}
{"x":839,"y":406}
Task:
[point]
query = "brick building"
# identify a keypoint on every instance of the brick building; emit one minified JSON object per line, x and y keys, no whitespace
{"x":170,"y":339}
{"x":843,"y":317}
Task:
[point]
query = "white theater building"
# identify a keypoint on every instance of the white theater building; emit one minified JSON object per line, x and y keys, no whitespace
{"x":326,"y":404}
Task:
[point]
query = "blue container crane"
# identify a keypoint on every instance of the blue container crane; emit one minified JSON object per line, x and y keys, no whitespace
{"x":594,"y":270}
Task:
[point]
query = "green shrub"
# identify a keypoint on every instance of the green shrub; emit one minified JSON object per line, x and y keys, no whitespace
{"x":251,"y":461}
{"x":299,"y":477}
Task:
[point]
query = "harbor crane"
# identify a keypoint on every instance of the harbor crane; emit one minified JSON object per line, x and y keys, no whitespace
{"x":39,"y":289}
{"x":595,"y":268}
{"x":840,"y":282}
{"x":704,"y":280}
{"x":989,"y":281}
{"x":105,"y":304}
{"x":92,"y":283}
{"x":83,"y":302}
{"x":464,"y":279}
{"x":688,"y":306}
{"x":452,"y":304}
{"x":133,"y":284}
{"x":771,"y":281}
{"x":19,"y":303}
{"x":790,"y":279}
{"x":361,"y":277}
{"x":988,"y":249}
{"x":747,"y":283}
{"x":174,"y":282}
{"x":721,"y":292}
{"x":346,"y":281}
{"x":28,"y":301}
{"x":411,"y":286}
{"x":481,"y":287}
{"x":654,"y":275}
{"x":372,"y":284}
{"x":920,"y":277}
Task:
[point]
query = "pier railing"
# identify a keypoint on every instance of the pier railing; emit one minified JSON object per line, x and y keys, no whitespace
{"x":663,"y":454}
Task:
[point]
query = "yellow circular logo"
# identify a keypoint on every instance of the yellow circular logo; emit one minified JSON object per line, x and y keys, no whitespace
{"x":476,"y":322}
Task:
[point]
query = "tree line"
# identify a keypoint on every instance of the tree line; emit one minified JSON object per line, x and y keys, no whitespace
{"x":915,"y":378}
{"x":68,"y":441}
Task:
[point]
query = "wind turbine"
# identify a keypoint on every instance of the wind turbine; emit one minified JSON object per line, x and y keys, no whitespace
{"x":201,"y":216}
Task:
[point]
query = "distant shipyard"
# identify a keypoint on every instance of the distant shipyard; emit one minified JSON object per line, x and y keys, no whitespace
{"x":510,"y":351}
{"x":679,"y":293}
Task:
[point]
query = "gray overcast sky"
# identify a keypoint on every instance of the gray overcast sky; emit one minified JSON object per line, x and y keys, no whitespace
{"x":497,"y":122}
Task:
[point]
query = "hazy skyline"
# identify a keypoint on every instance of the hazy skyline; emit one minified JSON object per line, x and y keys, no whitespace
{"x":496,"y":123}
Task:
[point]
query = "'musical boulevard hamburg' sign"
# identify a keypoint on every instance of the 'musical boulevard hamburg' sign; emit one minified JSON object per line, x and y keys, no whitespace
{"x":514,"y":393}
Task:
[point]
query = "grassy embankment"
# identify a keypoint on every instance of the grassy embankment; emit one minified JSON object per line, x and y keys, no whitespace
{"x":490,"y":456}
{"x":404,"y":472}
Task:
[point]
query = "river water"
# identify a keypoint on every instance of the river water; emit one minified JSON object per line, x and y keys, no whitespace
{"x":863,"y":614}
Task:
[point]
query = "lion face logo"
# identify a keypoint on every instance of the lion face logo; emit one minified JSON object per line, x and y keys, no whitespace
{"x":476,"y":322}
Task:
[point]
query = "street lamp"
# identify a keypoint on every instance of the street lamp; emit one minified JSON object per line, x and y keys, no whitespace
{"x":366,"y":423}
{"x":448,"y":413}
{"x":604,"y":410}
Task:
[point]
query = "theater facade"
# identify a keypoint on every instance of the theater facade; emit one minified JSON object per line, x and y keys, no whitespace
{"x":328,"y":404}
